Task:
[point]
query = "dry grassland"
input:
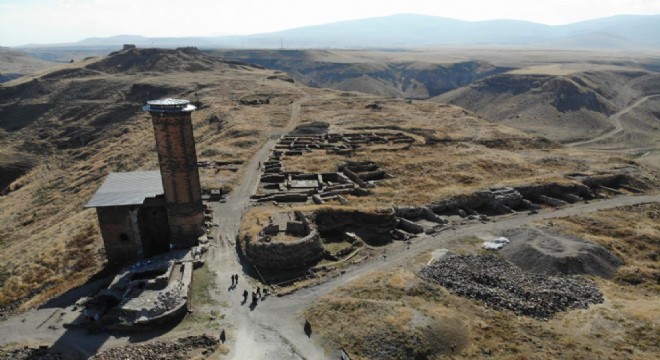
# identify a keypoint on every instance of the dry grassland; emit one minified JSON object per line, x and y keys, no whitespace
{"x":394,"y":314}
{"x":632,"y":233}
{"x":43,"y":225}
{"x":456,"y":152}
{"x":48,"y":242}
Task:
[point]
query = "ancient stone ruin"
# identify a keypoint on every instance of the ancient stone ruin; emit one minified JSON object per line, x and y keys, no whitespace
{"x":153,"y":220}
{"x":352,"y":178}
{"x":286,"y":243}
{"x":147,"y":294}
{"x":142,"y":214}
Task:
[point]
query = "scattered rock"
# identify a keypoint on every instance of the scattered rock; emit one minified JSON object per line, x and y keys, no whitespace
{"x":30,"y":354}
{"x":177,"y":350}
{"x":504,"y":286}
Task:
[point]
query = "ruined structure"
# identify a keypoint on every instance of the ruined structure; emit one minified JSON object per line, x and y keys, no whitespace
{"x":177,"y":158}
{"x":354,"y":178}
{"x":269,"y":252}
{"x":147,"y":294}
{"x":145,"y":213}
{"x":132,"y":216}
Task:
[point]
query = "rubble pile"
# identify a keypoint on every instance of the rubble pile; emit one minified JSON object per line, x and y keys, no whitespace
{"x":178,"y":349}
{"x":502,"y":285}
{"x":30,"y":354}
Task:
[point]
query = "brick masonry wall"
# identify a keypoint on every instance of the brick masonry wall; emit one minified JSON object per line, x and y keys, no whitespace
{"x":121,"y":236}
{"x":178,"y":166}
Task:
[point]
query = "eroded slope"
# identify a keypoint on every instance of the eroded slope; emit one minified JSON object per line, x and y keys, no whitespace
{"x":63,"y":132}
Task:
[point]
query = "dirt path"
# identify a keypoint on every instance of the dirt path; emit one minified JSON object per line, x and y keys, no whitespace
{"x":274,"y":329}
{"x":249,"y":338}
{"x":614,"y":118}
{"x":398,"y":254}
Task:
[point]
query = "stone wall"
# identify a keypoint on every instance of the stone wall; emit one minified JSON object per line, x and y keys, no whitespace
{"x":566,"y":192}
{"x":501,"y":200}
{"x":373,"y":227}
{"x":121,"y":234}
{"x":417,"y":213}
{"x":178,"y":167}
{"x":283,"y":256}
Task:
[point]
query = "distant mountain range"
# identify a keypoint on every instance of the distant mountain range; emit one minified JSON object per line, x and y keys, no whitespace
{"x":411,"y":30}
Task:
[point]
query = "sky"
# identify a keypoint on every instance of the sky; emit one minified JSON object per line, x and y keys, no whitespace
{"x":56,"y":21}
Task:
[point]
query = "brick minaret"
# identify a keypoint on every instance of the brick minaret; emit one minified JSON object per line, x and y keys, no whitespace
{"x":178,"y":167}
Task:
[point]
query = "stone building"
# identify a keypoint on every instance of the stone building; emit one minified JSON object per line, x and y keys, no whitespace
{"x":144,"y":213}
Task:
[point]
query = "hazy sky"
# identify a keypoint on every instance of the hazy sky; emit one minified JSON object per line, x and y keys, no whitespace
{"x":50,"y":21}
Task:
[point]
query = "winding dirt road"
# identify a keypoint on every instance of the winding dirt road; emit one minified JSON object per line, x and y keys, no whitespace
{"x":614,"y":118}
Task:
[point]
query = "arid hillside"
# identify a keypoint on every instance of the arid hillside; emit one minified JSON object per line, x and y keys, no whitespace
{"x":568,"y":96}
{"x":14,"y":64}
{"x":566,"y":107}
{"x":62,"y":132}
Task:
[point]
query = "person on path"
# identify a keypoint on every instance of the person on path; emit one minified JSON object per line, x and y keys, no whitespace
{"x":308,"y":328}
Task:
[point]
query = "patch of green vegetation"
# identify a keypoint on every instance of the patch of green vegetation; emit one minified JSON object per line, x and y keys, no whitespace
{"x":203,"y":283}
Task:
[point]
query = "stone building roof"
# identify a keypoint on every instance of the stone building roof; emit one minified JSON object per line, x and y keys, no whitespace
{"x":127,"y":188}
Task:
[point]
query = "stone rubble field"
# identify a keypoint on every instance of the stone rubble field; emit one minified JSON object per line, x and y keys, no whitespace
{"x":504,"y":286}
{"x":30,"y":354}
{"x":174,"y":350}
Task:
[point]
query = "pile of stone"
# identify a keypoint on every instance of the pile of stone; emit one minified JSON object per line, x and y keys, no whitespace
{"x":504,"y":286}
{"x":175,"y":350}
{"x":30,"y":354}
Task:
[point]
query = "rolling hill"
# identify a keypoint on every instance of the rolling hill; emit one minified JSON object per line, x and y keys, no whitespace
{"x":63,"y":130}
{"x":14,"y":64}
{"x":569,"y":107}
{"x":413,"y":30}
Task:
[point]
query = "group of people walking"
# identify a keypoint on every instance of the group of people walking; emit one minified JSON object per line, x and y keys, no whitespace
{"x":256,"y":295}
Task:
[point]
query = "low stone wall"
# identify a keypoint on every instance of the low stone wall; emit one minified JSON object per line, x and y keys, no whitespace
{"x":497,"y":199}
{"x":282,"y":256}
{"x":565,"y":192}
{"x":418,"y":212}
{"x":373,"y":227}
{"x":409,"y":226}
{"x":615,"y":181}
